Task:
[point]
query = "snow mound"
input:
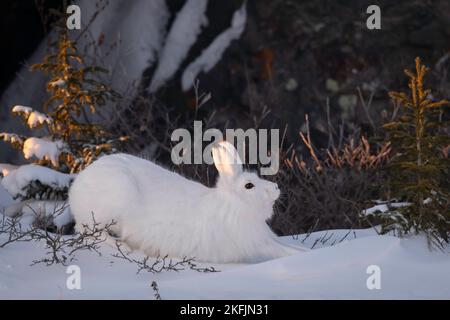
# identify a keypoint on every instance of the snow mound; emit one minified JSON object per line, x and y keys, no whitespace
{"x":16,"y":181}
{"x":6,"y":168}
{"x":408,"y":270}
{"x":43,"y":149}
{"x":335,"y":269}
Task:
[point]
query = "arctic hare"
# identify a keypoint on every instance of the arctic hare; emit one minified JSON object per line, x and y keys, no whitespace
{"x":163,"y":213}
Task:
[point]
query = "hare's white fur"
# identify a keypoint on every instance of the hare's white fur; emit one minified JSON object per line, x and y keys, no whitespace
{"x":163,"y":213}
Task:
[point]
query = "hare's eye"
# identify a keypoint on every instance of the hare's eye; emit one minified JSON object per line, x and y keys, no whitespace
{"x":249,"y":185}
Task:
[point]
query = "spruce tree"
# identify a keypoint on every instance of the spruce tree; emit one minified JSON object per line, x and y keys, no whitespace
{"x":418,"y":164}
{"x":74,"y":93}
{"x":72,"y":140}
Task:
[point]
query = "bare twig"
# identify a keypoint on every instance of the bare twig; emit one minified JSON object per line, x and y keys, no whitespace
{"x":160,"y":264}
{"x":366,"y":107}
{"x":154,"y":286}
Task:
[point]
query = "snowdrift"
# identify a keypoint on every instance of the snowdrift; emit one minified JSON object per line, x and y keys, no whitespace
{"x":336,"y":268}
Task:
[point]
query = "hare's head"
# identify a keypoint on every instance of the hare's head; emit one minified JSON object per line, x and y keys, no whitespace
{"x":244,"y":188}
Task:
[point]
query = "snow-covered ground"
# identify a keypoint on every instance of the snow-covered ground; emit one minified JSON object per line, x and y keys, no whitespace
{"x":341,"y":264}
{"x":336,"y":268}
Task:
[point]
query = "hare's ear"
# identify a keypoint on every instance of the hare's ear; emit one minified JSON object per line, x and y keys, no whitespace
{"x":226,"y":159}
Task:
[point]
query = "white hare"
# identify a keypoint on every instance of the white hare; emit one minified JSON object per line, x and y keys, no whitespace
{"x":163,"y":213}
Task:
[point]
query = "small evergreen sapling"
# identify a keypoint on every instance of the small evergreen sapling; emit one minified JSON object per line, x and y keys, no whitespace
{"x":71,"y":141}
{"x":74,"y":93}
{"x":418,"y":164}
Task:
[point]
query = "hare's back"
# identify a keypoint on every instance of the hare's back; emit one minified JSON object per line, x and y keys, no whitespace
{"x":105,"y":188}
{"x":120,"y":184}
{"x":148,"y":177}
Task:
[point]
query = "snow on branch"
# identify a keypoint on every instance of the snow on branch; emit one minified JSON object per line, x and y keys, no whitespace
{"x":22,"y":109}
{"x":11,"y":138}
{"x":213,"y":53}
{"x":57,"y":83}
{"x":182,"y":36}
{"x":34,"y":118}
{"x":43,"y":149}
{"x":17,"y":181}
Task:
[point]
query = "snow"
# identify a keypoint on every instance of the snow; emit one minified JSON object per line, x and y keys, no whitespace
{"x":5,"y":199}
{"x":24,"y":109}
{"x":133,"y":33}
{"x":57,"y":83}
{"x":408,"y":270}
{"x":182,"y":35}
{"x":17,"y":180}
{"x":6,"y":168}
{"x":58,"y":210}
{"x":42,"y":149}
{"x":383,"y":208}
{"x":376,"y":209}
{"x":11,"y":137}
{"x":335,"y":269}
{"x":35,"y":118}
{"x":213,"y":53}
